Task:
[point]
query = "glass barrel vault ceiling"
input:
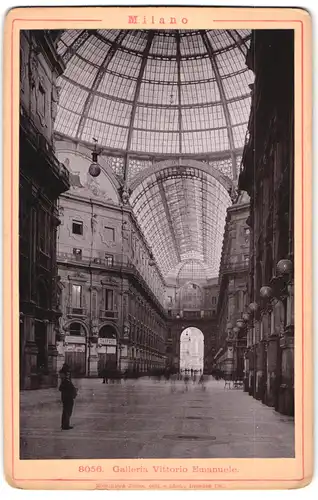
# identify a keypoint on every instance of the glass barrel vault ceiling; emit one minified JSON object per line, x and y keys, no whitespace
{"x":155,"y":92}
{"x":182,"y":213}
{"x":149,"y":95}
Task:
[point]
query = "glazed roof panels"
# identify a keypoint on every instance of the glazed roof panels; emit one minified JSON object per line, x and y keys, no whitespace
{"x":155,"y":92}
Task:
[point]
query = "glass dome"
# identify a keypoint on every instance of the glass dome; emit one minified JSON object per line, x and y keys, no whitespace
{"x":167,"y":92}
{"x":169,"y":110}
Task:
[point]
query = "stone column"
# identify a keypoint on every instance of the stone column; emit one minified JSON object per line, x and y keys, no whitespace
{"x":286,"y":390}
{"x":52,"y":354}
{"x":246,"y":370}
{"x":265,"y":333}
{"x":251,"y":364}
{"x":29,"y":355}
{"x":92,"y":360}
{"x":124,"y":361}
{"x":272,"y":365}
{"x":60,"y":355}
{"x":229,"y":361}
{"x":259,"y":371}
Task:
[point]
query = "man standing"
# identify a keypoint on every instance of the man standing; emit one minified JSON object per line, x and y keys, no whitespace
{"x":68,"y":394}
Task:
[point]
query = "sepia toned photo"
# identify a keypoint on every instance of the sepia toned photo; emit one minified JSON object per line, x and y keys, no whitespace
{"x":156,"y":244}
{"x":157,"y":250}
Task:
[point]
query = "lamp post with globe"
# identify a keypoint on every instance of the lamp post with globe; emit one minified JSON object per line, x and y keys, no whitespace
{"x":94,"y":168}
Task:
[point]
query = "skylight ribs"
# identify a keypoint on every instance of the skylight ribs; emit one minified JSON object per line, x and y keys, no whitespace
{"x":224,"y":100}
{"x":204,"y":221}
{"x":169,"y":219}
{"x":150,"y":208}
{"x":182,"y":215}
{"x":74,"y":45}
{"x":110,"y":54}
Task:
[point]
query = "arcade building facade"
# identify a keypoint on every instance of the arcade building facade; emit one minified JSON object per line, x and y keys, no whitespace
{"x":149,"y":207}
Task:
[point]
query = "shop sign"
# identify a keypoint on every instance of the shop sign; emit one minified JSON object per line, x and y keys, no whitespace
{"x":107,"y":341}
{"x":73,"y":339}
{"x":74,"y":348}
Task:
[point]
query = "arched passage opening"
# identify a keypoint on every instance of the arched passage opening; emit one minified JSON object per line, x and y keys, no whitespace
{"x":75,"y":348}
{"x":107,"y":349}
{"x":192,"y":350}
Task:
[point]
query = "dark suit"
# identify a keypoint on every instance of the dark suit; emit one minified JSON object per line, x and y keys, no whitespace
{"x":68,"y":393}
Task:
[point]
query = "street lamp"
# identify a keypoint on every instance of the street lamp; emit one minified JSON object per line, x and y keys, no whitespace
{"x":245,"y":316}
{"x":151,"y":260}
{"x":240,"y":323}
{"x":266,"y":292}
{"x":94,"y":169}
{"x":253,"y":306}
{"x":284,"y":267}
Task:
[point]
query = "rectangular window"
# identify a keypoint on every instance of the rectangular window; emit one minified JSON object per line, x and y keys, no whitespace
{"x":76,"y":296}
{"x":213,"y":300}
{"x":77,"y":227}
{"x":109,"y":259}
{"x":169,"y":300}
{"x":110,"y":234}
{"x":77,"y":252}
{"x":109,"y":300}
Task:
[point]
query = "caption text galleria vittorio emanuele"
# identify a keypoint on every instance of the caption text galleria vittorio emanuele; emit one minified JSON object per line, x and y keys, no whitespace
{"x":156,"y":217}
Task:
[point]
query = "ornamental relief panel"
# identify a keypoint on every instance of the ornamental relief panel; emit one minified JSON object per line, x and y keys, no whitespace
{"x":55,"y":97}
{"x":39,"y":89}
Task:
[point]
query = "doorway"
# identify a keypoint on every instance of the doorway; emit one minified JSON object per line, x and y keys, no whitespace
{"x":40,"y":337}
{"x":192,"y":350}
{"x":107,"y":353}
{"x":75,"y":352}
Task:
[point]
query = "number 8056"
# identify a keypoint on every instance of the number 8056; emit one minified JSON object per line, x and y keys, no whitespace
{"x":90,"y":468}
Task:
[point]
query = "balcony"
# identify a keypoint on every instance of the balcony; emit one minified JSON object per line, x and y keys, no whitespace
{"x":53,"y":172}
{"x":202,"y":314}
{"x":108,"y":314}
{"x":234,"y":267}
{"x":78,"y":312}
{"x":119,"y":262}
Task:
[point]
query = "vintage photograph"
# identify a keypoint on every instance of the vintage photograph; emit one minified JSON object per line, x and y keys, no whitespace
{"x":156,"y":243}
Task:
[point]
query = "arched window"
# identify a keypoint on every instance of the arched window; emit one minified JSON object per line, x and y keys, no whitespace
{"x":76,"y":329}
{"x":107,"y":332}
{"x":191,"y":296}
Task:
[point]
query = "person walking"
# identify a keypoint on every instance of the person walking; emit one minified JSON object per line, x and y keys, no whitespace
{"x":68,"y":394}
{"x":105,"y":376}
{"x":201,"y":382}
{"x":186,"y":381}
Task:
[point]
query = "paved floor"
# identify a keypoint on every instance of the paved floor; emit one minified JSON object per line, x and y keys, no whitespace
{"x":150,"y":419}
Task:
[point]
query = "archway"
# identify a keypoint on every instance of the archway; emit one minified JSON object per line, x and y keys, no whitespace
{"x":192,"y":350}
{"x":75,"y":348}
{"x":107,"y":349}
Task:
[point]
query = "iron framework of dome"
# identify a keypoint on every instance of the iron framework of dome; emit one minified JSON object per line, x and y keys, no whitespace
{"x":154,"y":95}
